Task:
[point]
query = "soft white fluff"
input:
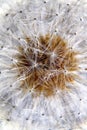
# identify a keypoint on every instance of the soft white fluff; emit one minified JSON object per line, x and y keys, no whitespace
{"x":65,"y":111}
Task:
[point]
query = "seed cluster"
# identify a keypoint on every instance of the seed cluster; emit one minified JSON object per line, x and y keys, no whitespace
{"x":46,"y":65}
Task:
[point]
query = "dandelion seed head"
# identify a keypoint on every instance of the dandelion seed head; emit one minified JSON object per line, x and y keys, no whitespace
{"x":43,"y":65}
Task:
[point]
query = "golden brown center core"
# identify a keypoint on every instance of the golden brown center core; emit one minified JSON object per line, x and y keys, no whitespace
{"x":46,"y":65}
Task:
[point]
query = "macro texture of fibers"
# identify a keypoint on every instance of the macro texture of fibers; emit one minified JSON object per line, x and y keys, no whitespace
{"x":43,"y":66}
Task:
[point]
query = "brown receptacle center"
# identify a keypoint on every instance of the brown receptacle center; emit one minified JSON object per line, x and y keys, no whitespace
{"x":46,"y":65}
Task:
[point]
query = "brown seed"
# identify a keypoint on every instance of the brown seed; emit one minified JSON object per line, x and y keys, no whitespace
{"x":43,"y":73}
